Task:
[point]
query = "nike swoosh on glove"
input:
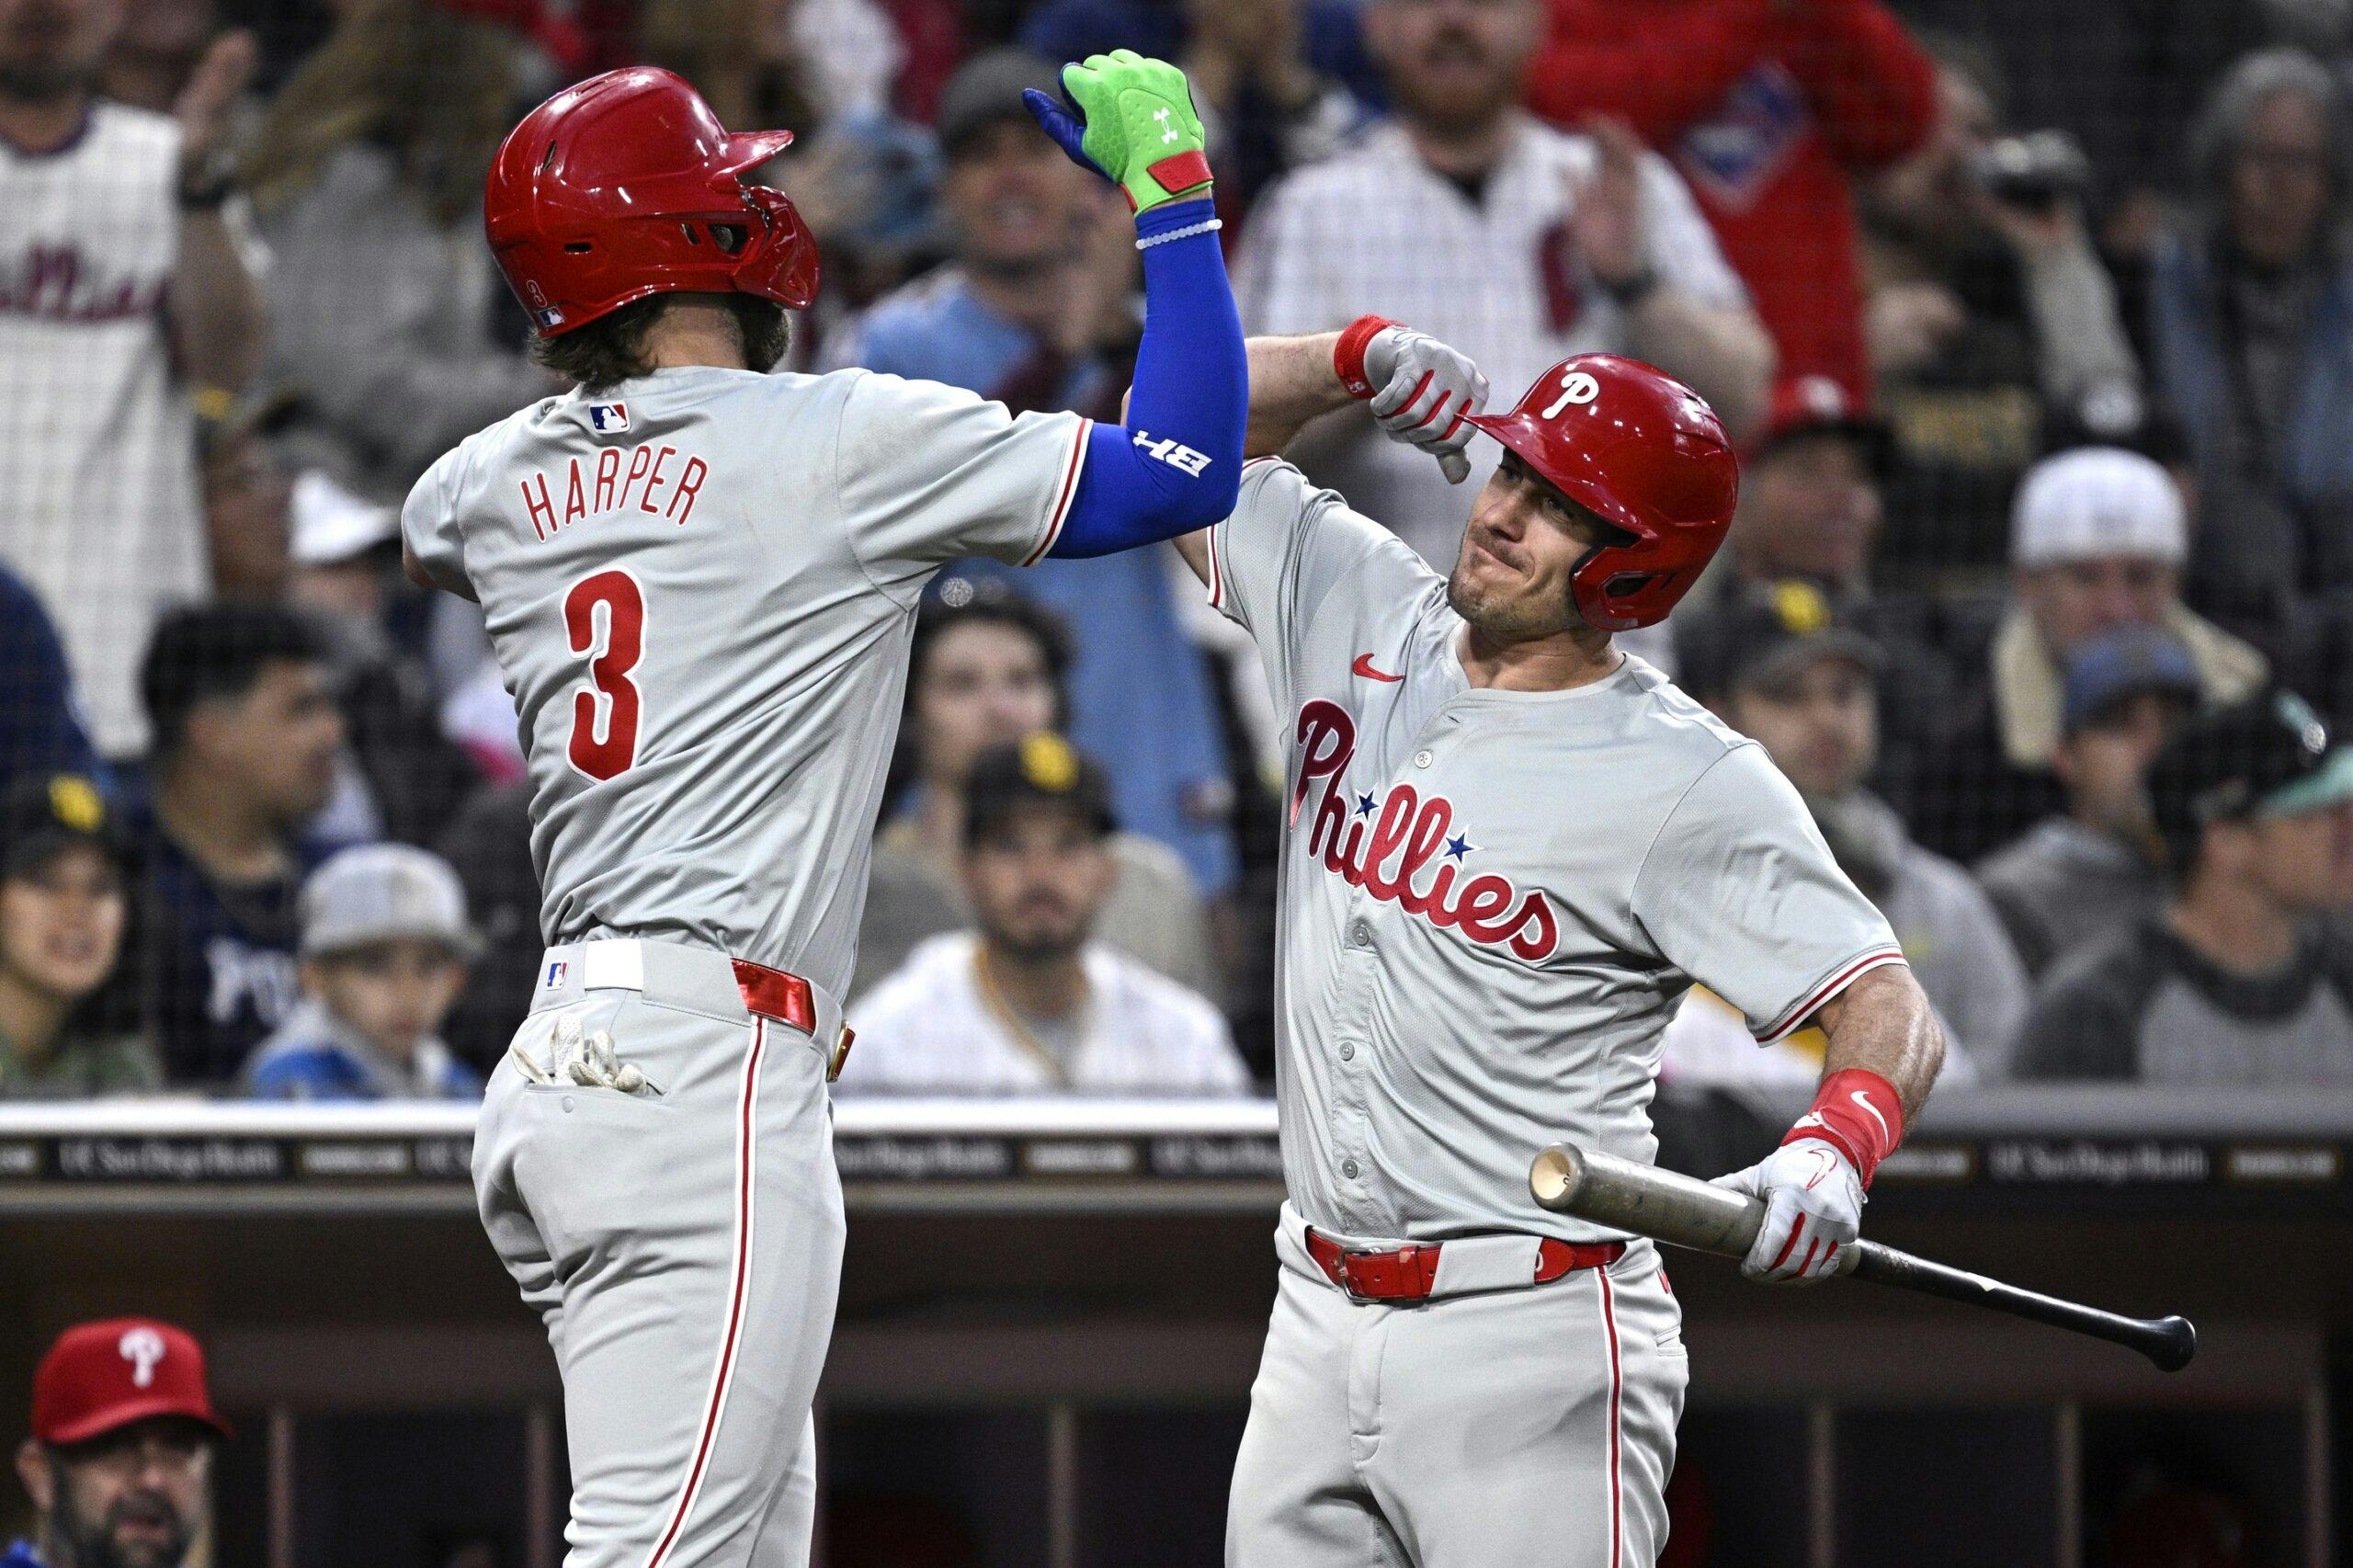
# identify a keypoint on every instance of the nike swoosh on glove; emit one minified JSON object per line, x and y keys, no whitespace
{"x":1813,"y":1206}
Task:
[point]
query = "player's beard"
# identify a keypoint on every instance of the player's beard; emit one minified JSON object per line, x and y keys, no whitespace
{"x":95,"y":1544}
{"x":44,"y":82}
{"x":1512,"y":615}
{"x":765,"y":329}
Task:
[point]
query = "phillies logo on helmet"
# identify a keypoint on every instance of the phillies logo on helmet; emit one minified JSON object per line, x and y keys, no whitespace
{"x":1416,"y":833}
{"x":144,"y":1349}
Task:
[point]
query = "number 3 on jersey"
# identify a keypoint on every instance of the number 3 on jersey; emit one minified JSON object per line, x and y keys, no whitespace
{"x":605,"y":712}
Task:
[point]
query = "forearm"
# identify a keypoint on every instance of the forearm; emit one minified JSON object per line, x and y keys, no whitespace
{"x":1723,"y":353}
{"x":1175,"y":466}
{"x":1882,"y":1024}
{"x":1292,"y":382}
{"x":2079,"y":332}
{"x":218,"y":319}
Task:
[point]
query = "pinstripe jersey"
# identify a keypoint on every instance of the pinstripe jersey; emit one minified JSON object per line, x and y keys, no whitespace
{"x":700,"y":587}
{"x":1491,"y":901}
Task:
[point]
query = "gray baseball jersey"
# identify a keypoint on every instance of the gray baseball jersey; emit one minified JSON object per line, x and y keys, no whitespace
{"x":1492,"y":900}
{"x":702,"y":591}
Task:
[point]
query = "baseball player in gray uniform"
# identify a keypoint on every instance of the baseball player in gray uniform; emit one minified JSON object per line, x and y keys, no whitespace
{"x":1509,"y":849}
{"x":700,"y":581}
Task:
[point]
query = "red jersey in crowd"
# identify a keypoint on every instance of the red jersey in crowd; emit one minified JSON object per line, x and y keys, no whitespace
{"x":1766,"y":107}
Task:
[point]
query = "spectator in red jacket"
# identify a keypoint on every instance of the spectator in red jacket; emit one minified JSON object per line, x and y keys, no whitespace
{"x":1766,"y":106}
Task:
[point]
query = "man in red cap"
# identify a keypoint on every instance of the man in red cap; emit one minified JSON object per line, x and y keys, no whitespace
{"x":119,"y":1462}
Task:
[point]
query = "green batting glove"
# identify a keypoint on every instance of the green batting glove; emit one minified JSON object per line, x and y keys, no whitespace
{"x":1140,"y":128}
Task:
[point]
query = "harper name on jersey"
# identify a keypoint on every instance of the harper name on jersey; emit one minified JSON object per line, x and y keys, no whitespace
{"x":604,"y":487}
{"x":1486,"y":908}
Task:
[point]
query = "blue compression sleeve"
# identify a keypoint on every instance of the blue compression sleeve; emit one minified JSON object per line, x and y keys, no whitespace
{"x":1175,"y":466}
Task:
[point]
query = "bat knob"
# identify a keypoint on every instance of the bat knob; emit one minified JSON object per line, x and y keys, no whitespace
{"x":1553,"y":1179}
{"x":2176,"y":1343}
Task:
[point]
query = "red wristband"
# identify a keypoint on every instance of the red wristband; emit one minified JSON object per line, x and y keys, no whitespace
{"x":1347,"y":358}
{"x":1857,"y":1114}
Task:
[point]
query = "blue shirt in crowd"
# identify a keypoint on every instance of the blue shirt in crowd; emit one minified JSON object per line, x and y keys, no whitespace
{"x":215,"y":960}
{"x":316,"y":1056}
{"x":40,"y":731}
{"x":20,"y":1555}
{"x":1140,"y":692}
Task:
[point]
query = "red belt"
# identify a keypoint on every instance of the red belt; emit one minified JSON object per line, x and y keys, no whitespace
{"x":784,"y":996}
{"x":1408,"y":1273}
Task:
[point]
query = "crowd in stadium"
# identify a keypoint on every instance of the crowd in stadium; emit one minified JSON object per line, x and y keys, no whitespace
{"x":2041,"y":588}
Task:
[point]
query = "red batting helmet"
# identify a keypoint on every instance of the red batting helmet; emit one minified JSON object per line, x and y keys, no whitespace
{"x":1646,"y":453}
{"x":627,"y":185}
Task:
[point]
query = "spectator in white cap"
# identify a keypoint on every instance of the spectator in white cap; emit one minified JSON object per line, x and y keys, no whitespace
{"x":345,"y":554}
{"x":2099,"y":536}
{"x":385,"y":946}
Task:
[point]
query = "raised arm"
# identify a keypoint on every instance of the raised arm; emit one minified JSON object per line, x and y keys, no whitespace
{"x":1421,"y":393}
{"x":1176,"y":464}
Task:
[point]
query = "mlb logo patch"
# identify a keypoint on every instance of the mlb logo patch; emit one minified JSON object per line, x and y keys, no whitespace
{"x":557,"y":969}
{"x":608,"y":417}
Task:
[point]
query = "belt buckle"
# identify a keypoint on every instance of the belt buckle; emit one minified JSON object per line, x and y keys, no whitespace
{"x":1400,"y":1263}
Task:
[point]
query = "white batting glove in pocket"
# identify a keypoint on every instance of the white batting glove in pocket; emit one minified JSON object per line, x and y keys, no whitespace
{"x":582,"y":1057}
{"x":1428,"y":392}
{"x":1813,"y":1206}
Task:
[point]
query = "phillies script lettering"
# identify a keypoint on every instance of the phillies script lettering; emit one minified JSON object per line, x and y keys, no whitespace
{"x":1388,"y":857}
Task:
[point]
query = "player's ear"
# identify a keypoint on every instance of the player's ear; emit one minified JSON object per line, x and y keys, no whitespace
{"x":39,"y":1473}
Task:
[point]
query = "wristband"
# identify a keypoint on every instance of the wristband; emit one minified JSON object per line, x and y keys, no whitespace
{"x":1347,"y":356}
{"x":1857,"y":1113}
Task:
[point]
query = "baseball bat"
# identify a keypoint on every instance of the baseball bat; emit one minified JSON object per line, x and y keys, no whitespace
{"x":1688,"y":1213}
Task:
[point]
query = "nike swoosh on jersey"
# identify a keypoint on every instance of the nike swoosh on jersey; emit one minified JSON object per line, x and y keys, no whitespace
{"x":1363,"y":667}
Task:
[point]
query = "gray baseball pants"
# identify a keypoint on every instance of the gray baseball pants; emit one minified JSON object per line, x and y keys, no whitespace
{"x":683,"y":1245}
{"x":1531,"y":1426}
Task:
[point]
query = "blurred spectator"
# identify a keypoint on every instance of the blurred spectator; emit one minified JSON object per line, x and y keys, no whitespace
{"x":984,"y":674}
{"x":40,"y":725}
{"x":384,"y":952}
{"x":2251,"y":317}
{"x":1988,"y":316}
{"x":1780,"y":666}
{"x":246,"y":498}
{"x":246,"y":739}
{"x":1332,"y":31}
{"x":1027,"y":1003}
{"x":368,"y":176}
{"x":489,"y":842}
{"x":2078,"y":876}
{"x":1266,"y":110}
{"x":345,"y":570}
{"x":860,"y":176}
{"x":119,"y":1462}
{"x":1809,"y":509}
{"x":124,"y":302}
{"x":1515,"y":242}
{"x":1767,"y":107}
{"x":2241,"y":978}
{"x":1036,"y":311}
{"x":62,"y":915}
{"x":1810,"y":503}
{"x":154,"y":51}
{"x":2098,"y":540}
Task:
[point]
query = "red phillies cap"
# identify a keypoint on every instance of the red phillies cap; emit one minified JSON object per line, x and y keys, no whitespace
{"x":99,"y":1376}
{"x":1818,"y":405}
